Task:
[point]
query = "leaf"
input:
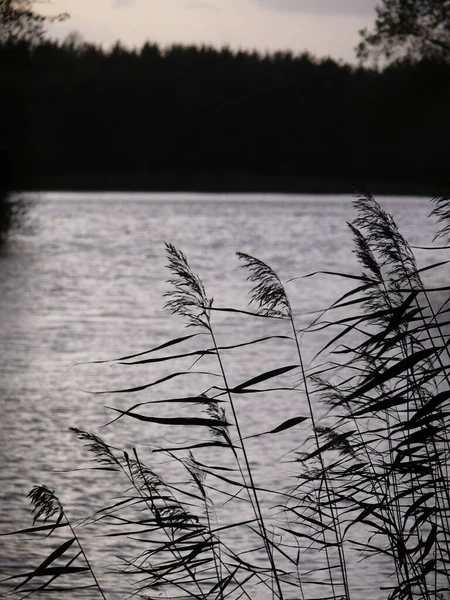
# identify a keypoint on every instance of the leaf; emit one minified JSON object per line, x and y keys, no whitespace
{"x":367,"y":510}
{"x":344,"y":275}
{"x":262,"y":377}
{"x":414,"y":424}
{"x":334,"y":442}
{"x":50,"y":580}
{"x":130,"y":356}
{"x":383,"y":404}
{"x":283,"y":426}
{"x":222,"y":584}
{"x":341,"y":334}
{"x":36,"y":529}
{"x":53,"y":571}
{"x":357,"y":290}
{"x":373,"y":549}
{"x":139,"y":388}
{"x":376,"y":379}
{"x":418,"y":502}
{"x":428,"y":566}
{"x":396,"y":319}
{"x":316,"y":540}
{"x":245,"y":312}
{"x":431,"y":405}
{"x":311,"y":520}
{"x":42,"y":568}
{"x":202,"y":399}
{"x":419,"y":436}
{"x":425,"y":515}
{"x":430,"y":541}
{"x":146,"y":361}
{"x":433,"y":266}
{"x":237,"y":484}
{"x":197,"y":421}
{"x":288,"y":424}
{"x":192,"y":446}
{"x":204,"y":352}
{"x":204,"y":466}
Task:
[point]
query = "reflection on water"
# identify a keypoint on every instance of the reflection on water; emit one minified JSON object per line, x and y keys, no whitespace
{"x":85,"y":280}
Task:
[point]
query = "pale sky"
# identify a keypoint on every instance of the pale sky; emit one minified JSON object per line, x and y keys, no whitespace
{"x":322,"y":27}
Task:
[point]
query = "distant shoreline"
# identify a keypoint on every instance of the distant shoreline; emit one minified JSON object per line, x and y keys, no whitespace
{"x":221,"y":183}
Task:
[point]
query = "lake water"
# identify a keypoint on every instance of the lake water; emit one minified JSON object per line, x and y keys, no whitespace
{"x":84,"y":280}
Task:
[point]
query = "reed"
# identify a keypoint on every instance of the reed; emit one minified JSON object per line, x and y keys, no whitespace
{"x":372,"y":473}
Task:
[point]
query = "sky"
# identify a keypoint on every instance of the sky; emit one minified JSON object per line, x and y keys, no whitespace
{"x":321,"y":27}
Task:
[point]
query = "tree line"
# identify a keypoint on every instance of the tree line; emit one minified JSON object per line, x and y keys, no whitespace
{"x":76,"y":116}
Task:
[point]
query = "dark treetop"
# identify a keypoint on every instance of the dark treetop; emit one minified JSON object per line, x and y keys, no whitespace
{"x":78,"y":117}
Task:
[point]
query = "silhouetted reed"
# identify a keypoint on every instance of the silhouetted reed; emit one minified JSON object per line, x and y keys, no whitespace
{"x":372,"y":474}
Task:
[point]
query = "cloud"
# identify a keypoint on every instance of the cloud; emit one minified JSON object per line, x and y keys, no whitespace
{"x":122,"y":3}
{"x":200,"y":5}
{"x":321,"y":7}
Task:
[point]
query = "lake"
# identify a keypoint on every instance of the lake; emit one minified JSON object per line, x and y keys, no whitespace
{"x":84,"y":279}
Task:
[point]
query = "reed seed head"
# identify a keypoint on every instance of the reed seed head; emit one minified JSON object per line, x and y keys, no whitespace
{"x":45,"y":503}
{"x":188,"y":297}
{"x":268,"y":293}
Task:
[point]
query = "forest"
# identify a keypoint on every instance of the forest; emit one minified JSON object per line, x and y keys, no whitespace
{"x":80,"y":117}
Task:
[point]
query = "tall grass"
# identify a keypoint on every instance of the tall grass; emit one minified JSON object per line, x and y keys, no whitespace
{"x":372,"y":473}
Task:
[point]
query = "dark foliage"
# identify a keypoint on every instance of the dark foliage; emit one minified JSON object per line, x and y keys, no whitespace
{"x":6,"y":214}
{"x":198,"y":118}
{"x":415,"y":28}
{"x":19,"y":21}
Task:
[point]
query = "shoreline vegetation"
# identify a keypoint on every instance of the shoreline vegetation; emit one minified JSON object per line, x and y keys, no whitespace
{"x":201,"y":119}
{"x":369,"y":471}
{"x":226,"y":183}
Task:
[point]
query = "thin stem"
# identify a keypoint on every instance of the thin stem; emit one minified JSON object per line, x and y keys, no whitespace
{"x":256,"y":505}
{"x":335,"y":520}
{"x":84,"y":556}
